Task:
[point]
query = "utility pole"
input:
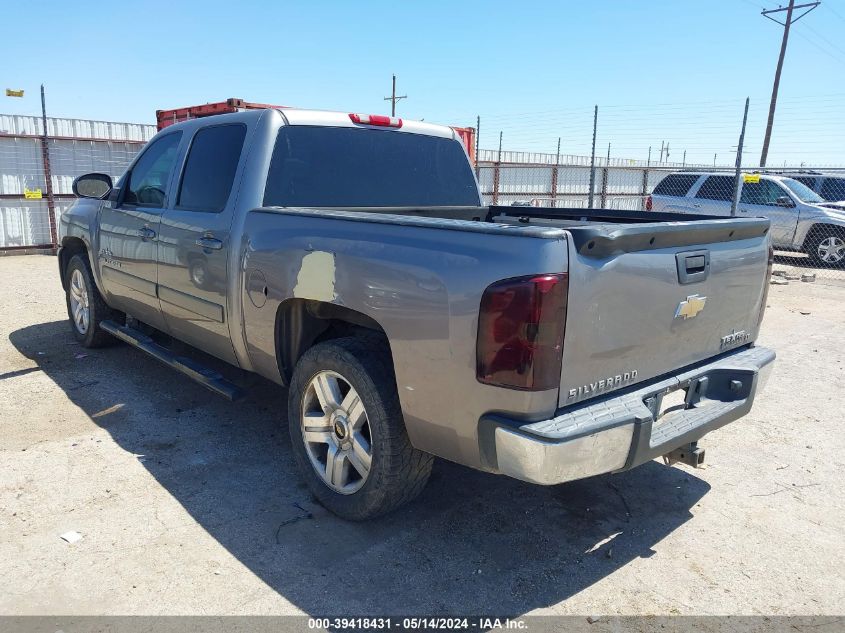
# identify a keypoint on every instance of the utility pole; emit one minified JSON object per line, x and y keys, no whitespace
{"x":667,"y":152}
{"x":48,"y":174}
{"x":648,"y":164}
{"x":737,"y":183}
{"x":662,"y":143}
{"x":607,"y":162}
{"x":809,"y":6}
{"x":684,"y":164}
{"x":393,"y":98}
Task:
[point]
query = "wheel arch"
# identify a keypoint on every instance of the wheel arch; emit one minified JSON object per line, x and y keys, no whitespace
{"x":820,"y":227}
{"x":302,"y":323}
{"x":71,"y":246}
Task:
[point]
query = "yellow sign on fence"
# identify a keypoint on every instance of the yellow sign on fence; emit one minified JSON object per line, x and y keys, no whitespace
{"x":32,"y":194}
{"x":14,"y":93}
{"x":750,"y":177}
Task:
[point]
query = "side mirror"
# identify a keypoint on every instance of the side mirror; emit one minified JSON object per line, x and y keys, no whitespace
{"x":785,"y":201}
{"x":95,"y":186}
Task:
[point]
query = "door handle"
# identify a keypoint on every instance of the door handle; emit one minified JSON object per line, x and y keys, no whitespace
{"x":209,"y":242}
{"x":146,"y":233}
{"x":697,"y":206}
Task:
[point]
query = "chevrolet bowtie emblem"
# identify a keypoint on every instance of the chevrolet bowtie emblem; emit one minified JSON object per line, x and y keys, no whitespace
{"x":690,"y":307}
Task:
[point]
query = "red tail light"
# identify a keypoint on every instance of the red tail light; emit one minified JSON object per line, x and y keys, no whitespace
{"x":769,"y":266}
{"x":648,"y":203}
{"x":520,"y":332}
{"x":376,"y":119}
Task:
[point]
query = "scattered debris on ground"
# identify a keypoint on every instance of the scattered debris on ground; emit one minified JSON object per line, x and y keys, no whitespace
{"x":71,"y":537}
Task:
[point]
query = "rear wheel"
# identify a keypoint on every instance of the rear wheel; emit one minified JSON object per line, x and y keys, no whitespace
{"x":85,"y":307}
{"x":826,"y":246}
{"x":347,"y":430}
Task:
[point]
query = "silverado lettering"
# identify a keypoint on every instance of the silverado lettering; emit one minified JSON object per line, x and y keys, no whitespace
{"x":611,"y":382}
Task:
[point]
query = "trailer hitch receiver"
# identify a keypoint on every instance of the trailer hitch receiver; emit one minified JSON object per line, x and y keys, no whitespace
{"x":690,"y":454}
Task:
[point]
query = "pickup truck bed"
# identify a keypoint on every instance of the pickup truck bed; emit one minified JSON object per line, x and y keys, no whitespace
{"x":541,"y":343}
{"x":621,"y":328}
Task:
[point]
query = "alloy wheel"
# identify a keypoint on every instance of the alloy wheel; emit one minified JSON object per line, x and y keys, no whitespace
{"x":336,"y":432}
{"x":79,"y":302}
{"x":831,"y":250}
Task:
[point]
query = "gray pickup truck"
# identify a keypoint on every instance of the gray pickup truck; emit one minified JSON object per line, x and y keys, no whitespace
{"x":348,"y":257}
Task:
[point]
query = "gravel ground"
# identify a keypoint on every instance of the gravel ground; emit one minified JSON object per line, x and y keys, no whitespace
{"x":189,"y":504}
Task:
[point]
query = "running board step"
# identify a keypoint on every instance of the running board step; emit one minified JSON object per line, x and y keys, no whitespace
{"x":192,"y":369}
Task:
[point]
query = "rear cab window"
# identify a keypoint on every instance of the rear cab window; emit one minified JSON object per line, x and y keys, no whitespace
{"x":677,"y":185}
{"x":321,"y":166}
{"x":717,"y":188}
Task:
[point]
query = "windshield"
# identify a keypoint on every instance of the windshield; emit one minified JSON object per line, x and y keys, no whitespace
{"x":363,"y":167}
{"x":802,"y":191}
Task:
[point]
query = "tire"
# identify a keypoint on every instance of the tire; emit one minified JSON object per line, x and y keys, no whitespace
{"x":85,"y":307}
{"x":826,"y":246}
{"x":354,"y":488}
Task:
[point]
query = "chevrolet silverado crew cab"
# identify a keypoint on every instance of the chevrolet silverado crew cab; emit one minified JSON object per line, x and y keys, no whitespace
{"x":348,"y":257}
{"x":801,"y":219}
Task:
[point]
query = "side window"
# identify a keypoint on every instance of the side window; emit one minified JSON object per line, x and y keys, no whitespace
{"x":210,"y":168}
{"x":810,"y":182}
{"x":147,"y":182}
{"x":753,"y":192}
{"x":717,"y":188}
{"x":833,"y":189}
{"x":763,"y":192}
{"x":675,"y":185}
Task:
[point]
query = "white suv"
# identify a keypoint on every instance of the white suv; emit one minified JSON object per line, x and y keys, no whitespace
{"x":798,"y":221}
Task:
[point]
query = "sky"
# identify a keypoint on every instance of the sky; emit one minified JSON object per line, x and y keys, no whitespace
{"x":661,"y":71}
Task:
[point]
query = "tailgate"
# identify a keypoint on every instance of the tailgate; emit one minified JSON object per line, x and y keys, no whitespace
{"x":648,"y":299}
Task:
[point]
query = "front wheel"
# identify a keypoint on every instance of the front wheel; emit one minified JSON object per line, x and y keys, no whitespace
{"x":347,"y":430}
{"x":826,"y":246}
{"x":85,"y":307}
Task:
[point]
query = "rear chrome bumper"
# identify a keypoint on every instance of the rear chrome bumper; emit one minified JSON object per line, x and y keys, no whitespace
{"x":620,"y":432}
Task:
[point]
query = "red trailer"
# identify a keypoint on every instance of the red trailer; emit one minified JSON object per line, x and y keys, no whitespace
{"x":467,"y":135}
{"x":169,"y":117}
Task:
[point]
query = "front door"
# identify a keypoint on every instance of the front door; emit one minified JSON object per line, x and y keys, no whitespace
{"x":195,"y":241}
{"x":761,"y":199}
{"x":129,"y":227}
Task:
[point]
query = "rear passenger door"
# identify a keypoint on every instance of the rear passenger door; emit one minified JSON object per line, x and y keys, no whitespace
{"x":714,"y":196}
{"x":195,"y":241}
{"x":670,"y":194}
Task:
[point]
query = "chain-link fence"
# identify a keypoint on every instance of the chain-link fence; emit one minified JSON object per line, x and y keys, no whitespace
{"x":37,"y":171}
{"x":803,"y":204}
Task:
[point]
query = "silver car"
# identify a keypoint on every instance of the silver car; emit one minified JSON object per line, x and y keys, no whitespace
{"x":799,"y":221}
{"x":831,"y":188}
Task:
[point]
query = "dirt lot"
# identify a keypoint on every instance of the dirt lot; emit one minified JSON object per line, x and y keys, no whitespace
{"x":189,"y":504}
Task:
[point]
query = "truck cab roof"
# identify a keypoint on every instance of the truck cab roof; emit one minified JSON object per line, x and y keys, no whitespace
{"x":324,"y":118}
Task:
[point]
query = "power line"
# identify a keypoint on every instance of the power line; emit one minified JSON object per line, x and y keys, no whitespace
{"x":828,"y":42}
{"x":809,"y":6}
